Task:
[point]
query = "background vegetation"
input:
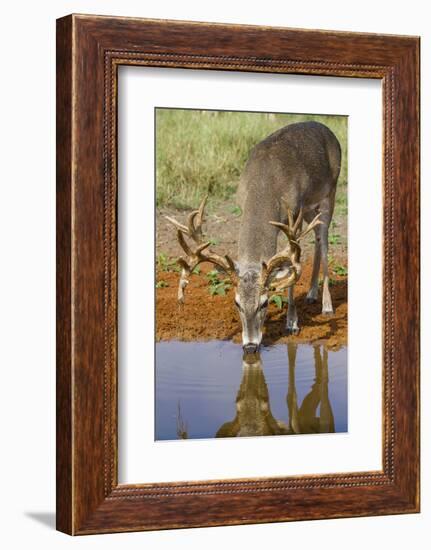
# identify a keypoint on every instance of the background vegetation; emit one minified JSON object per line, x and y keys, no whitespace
{"x":200,"y":152}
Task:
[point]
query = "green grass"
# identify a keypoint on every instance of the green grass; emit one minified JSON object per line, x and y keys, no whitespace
{"x":341,"y":199}
{"x":204,"y":152}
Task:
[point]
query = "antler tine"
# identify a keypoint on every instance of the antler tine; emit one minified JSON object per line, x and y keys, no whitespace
{"x":287,"y":230}
{"x":193,"y":228}
{"x":201,"y":209}
{"x":195,"y":221}
{"x":195,"y":256}
{"x":194,"y":231}
{"x":183,"y":243}
{"x":178,"y":225}
{"x":183,"y":282}
{"x":187,"y":268}
{"x":292,"y":232}
{"x":289,"y":217}
{"x":225,"y":262}
{"x":298,"y":221}
{"x":315,"y":221}
{"x":230,"y":264}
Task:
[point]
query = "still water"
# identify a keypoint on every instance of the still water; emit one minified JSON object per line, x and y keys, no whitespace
{"x":208,"y":389}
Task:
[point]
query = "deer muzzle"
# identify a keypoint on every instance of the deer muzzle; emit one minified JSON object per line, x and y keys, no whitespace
{"x":250,"y":348}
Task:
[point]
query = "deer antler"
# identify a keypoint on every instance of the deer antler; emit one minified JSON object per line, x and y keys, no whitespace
{"x":194,"y":257}
{"x":194,"y":222}
{"x":292,"y":251}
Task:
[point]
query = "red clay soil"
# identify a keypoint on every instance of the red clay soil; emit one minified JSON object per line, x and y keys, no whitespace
{"x":205,"y":317}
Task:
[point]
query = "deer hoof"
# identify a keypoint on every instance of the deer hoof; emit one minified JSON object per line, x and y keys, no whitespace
{"x":328,"y":311}
{"x":292,"y":328}
{"x":311,"y":296}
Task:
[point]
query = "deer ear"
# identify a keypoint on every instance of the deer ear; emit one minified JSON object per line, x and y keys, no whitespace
{"x":280,"y":273}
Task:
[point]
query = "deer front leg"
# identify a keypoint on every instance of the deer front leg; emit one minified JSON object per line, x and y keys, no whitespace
{"x":326,"y":297}
{"x":292,"y":315}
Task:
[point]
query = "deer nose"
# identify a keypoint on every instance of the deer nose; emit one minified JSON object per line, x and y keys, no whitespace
{"x":250,"y":348}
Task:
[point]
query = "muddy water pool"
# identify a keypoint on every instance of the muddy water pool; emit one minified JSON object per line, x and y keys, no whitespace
{"x":209,"y":389}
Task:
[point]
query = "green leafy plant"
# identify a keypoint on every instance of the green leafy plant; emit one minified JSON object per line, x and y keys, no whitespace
{"x":236,"y":210}
{"x":334,"y":238}
{"x":340,"y":270}
{"x":165,"y":263}
{"x":278,"y":300}
{"x":161,"y":284}
{"x":217,"y":286}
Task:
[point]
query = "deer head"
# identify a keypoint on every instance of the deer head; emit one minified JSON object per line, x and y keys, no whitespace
{"x":280,"y":272}
{"x":252,"y":286}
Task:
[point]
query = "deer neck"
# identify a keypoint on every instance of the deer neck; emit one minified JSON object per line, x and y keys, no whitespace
{"x":257,"y":238}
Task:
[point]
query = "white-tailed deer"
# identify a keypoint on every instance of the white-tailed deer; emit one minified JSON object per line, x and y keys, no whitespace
{"x":290,"y":177}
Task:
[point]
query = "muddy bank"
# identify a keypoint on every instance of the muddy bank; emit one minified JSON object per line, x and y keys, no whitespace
{"x":204,"y":317}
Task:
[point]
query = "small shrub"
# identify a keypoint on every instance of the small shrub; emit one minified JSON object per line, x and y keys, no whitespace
{"x":340,"y":270}
{"x":334,"y":238}
{"x":278,"y":300}
{"x":167,"y":264}
{"x":217,"y":286}
{"x":236,"y":210}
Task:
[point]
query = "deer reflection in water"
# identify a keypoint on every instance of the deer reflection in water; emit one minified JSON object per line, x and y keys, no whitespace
{"x":305,"y":419}
{"x":253,"y":410}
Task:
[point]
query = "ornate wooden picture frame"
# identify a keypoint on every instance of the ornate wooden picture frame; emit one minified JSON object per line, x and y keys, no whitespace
{"x":89,"y":51}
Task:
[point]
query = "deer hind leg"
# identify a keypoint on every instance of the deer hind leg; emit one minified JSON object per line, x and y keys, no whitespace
{"x":292,"y":315}
{"x":313,"y":293}
{"x":326,"y":297}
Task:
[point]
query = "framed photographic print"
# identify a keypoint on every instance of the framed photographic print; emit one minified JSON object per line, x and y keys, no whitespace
{"x":237,"y":257}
